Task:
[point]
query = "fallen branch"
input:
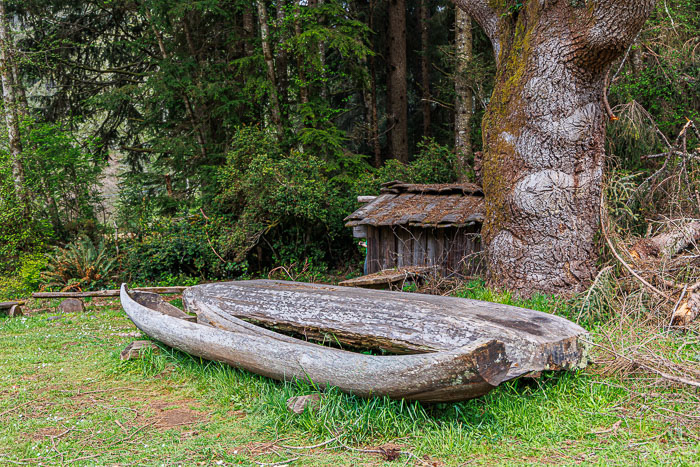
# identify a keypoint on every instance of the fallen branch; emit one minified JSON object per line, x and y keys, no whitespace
{"x":668,"y":243}
{"x":284,"y":462}
{"x":15,"y":408}
{"x":107,"y":293}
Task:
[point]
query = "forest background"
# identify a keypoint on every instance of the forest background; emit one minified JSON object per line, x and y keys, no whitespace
{"x":243,"y":131}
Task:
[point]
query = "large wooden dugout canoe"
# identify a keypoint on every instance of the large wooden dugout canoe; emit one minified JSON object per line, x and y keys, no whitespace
{"x":450,"y":375}
{"x":396,"y":322}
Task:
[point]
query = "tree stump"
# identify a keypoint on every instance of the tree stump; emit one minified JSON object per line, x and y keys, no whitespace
{"x":15,"y":311}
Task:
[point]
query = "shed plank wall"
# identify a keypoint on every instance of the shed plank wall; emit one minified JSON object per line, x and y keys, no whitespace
{"x":402,"y":246}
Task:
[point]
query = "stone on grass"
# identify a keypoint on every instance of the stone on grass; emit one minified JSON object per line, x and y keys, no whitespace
{"x":71,"y":305}
{"x":136,"y":349}
{"x":297,"y":404}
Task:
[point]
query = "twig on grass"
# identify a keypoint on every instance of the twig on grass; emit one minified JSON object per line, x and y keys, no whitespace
{"x":80,"y":394}
{"x":662,"y":374}
{"x":15,"y":408}
{"x":122,"y":440}
{"x":588,"y":295}
{"x":284,"y":462}
{"x":383,"y":452}
{"x":675,"y":308}
{"x":315,"y":445}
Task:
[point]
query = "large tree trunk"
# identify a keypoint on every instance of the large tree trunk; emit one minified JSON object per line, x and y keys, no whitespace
{"x":544,"y":135}
{"x":425,"y":64}
{"x":248,"y":32}
{"x":463,"y":92}
{"x":322,"y":49}
{"x":9,"y":90}
{"x":303,"y":85}
{"x":374,"y":114}
{"x":397,"y":106}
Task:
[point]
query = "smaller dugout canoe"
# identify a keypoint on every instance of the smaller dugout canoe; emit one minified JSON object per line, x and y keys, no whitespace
{"x":451,"y":375}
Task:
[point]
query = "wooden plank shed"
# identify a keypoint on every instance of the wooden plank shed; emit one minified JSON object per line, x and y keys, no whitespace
{"x":421,"y":225}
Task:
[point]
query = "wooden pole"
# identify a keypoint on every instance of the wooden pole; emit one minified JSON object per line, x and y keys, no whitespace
{"x":106,"y":293}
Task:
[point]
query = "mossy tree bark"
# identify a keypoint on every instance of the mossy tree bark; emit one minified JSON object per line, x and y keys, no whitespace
{"x":544,"y":135}
{"x":11,"y":110}
{"x":463,"y":92}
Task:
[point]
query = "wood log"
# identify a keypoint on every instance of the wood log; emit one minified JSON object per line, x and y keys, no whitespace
{"x":6,"y":305}
{"x":456,"y":374}
{"x":13,"y":311}
{"x":106,"y":293}
{"x":387,"y":277}
{"x":687,"y":311}
{"x":669,"y":243}
{"x":396,"y":322}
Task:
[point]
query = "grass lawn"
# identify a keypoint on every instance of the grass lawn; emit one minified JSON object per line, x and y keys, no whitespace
{"x":66,"y":398}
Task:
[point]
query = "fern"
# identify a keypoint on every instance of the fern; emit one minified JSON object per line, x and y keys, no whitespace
{"x":81,"y":265}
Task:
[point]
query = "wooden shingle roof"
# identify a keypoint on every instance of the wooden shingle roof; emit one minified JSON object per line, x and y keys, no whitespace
{"x":443,"y":205}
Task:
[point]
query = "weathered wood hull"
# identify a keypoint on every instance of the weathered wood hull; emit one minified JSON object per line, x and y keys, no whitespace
{"x":451,"y":375}
{"x":397,"y":322}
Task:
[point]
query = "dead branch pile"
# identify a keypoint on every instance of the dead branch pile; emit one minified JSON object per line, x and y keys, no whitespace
{"x":650,"y":289}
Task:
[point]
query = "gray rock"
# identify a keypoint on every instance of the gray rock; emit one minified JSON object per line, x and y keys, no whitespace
{"x":71,"y":305}
{"x":136,"y":349}
{"x":297,"y":404}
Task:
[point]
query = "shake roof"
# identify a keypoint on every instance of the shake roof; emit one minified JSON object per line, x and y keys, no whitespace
{"x":443,"y":205}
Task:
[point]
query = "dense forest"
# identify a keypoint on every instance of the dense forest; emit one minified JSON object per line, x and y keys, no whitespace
{"x":239,"y":133}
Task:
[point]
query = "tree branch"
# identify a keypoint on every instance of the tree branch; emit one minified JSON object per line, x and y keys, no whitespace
{"x":486,"y":16}
{"x":617,"y":23}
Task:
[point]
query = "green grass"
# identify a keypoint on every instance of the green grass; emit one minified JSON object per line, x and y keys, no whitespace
{"x":65,"y":397}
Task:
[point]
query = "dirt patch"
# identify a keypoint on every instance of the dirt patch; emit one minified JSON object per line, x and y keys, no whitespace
{"x":31,"y":377}
{"x":43,"y":433}
{"x":173,"y":414}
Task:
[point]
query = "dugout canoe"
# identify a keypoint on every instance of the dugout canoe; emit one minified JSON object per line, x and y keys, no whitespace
{"x":449,"y":375}
{"x":395,"y":322}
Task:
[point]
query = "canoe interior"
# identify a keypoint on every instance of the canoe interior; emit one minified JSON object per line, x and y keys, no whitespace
{"x":396,"y":322}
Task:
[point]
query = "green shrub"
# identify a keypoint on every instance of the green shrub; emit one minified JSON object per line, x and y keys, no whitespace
{"x":172,"y":251}
{"x":30,"y":271}
{"x":11,"y":288}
